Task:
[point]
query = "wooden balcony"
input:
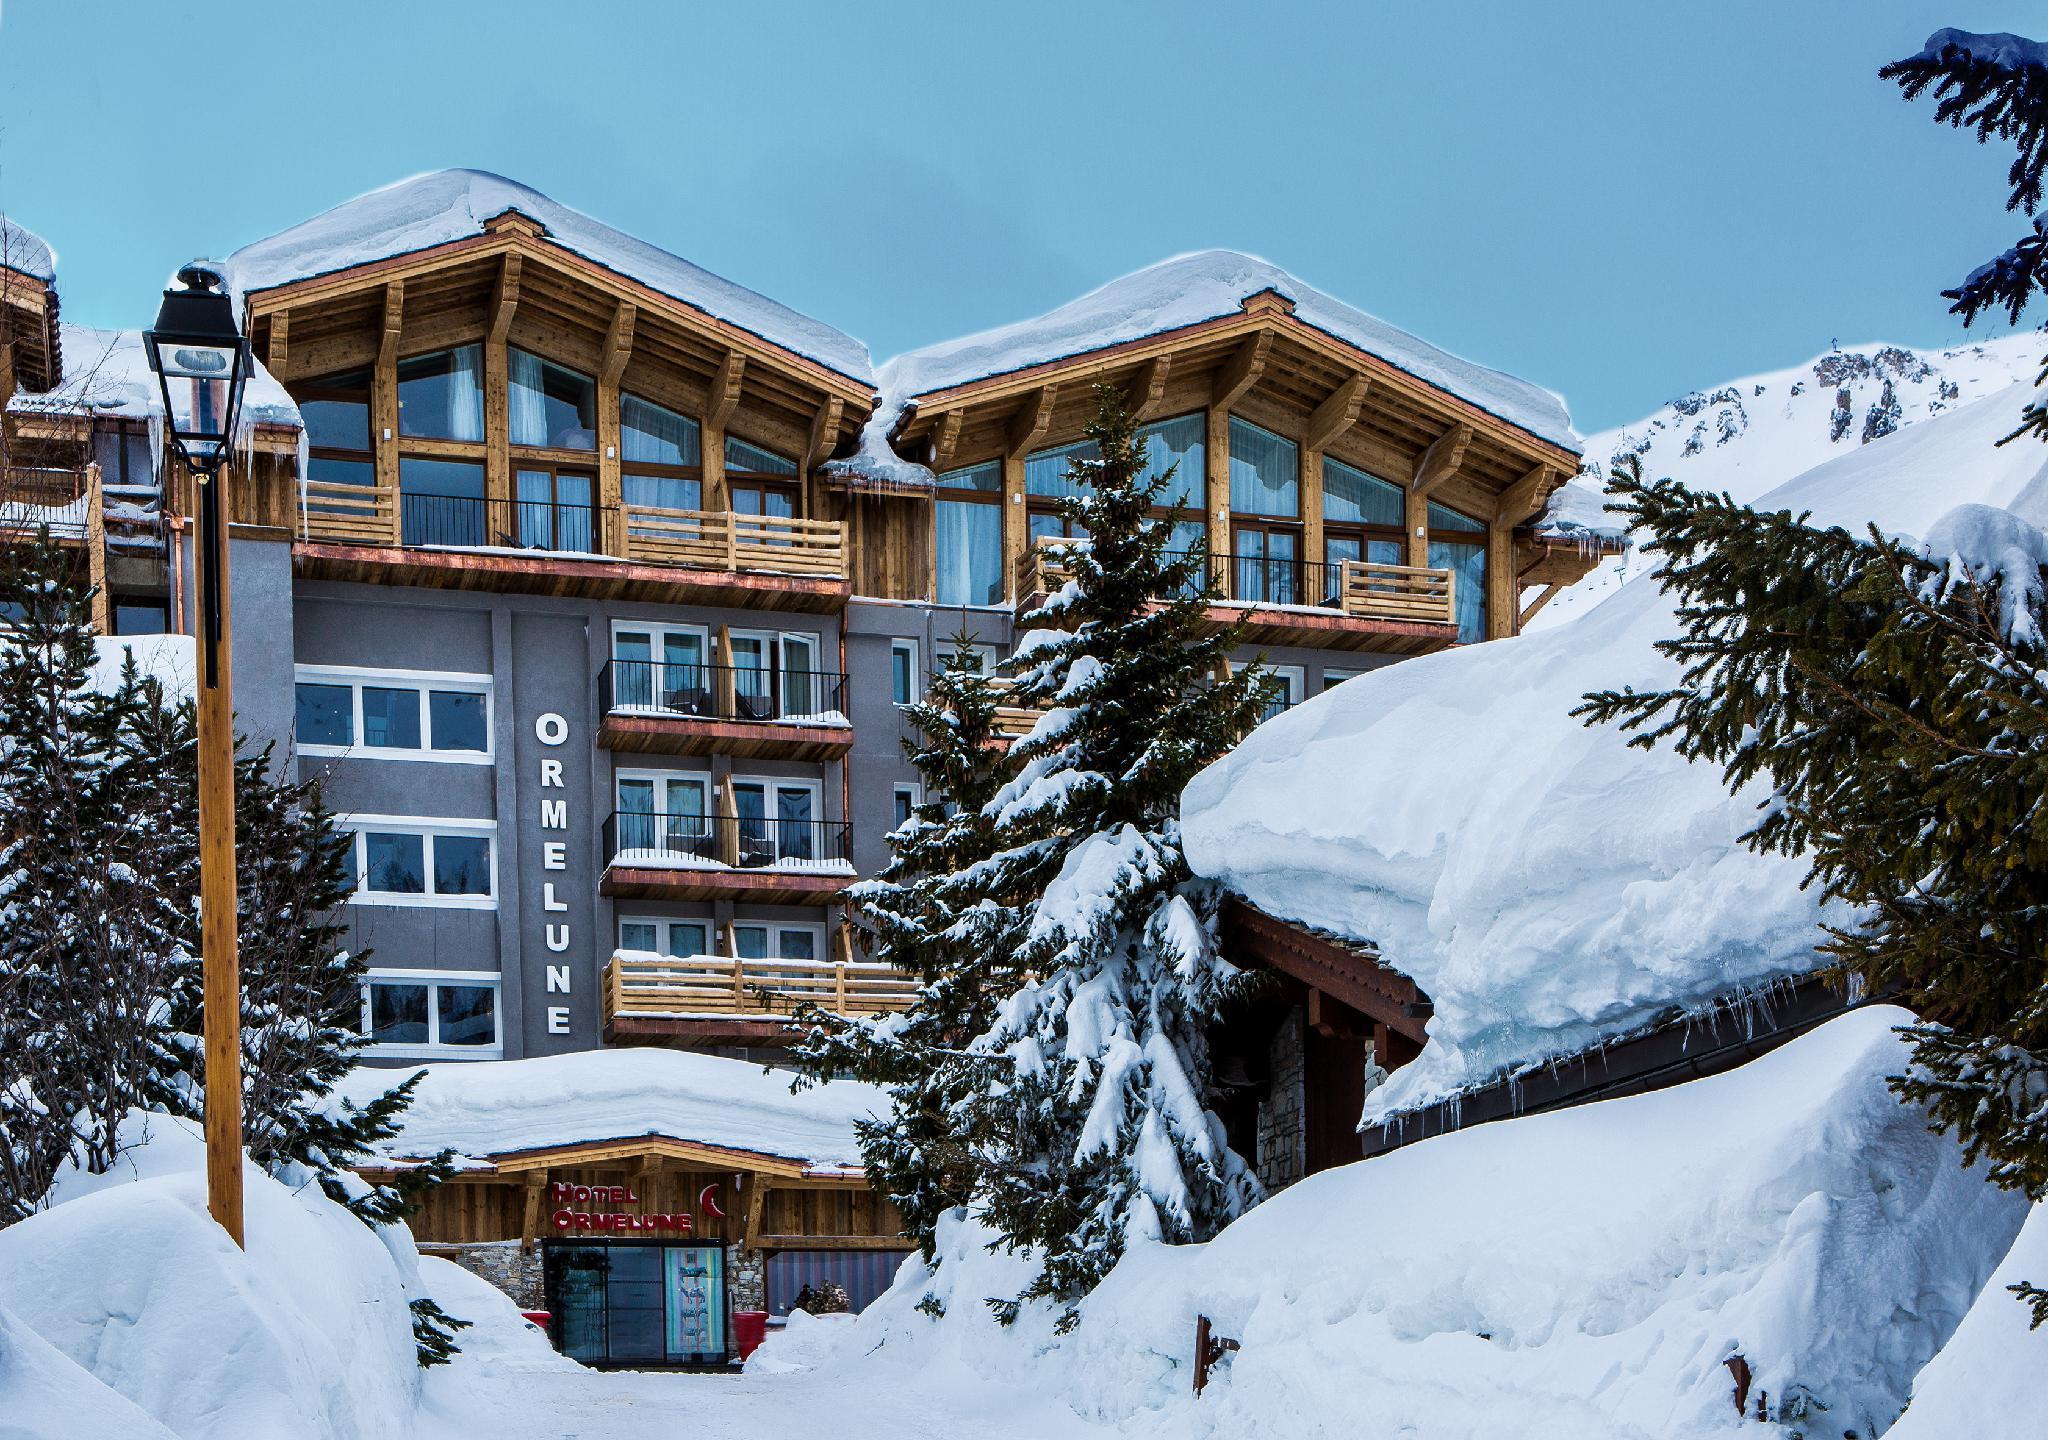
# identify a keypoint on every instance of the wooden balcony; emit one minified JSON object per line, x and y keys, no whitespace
{"x":669,"y":708}
{"x":720,"y":997}
{"x":1353,"y":605}
{"x":359,"y":532}
{"x":726,"y":857}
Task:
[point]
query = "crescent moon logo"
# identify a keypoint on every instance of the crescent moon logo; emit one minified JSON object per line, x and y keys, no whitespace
{"x":707,"y":1201}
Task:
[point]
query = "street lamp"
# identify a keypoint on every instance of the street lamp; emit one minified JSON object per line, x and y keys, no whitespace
{"x":202,"y":364}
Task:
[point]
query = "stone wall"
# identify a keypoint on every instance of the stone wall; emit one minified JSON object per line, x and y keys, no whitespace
{"x":1283,"y":1129}
{"x":746,"y":1278}
{"x":516,"y":1272}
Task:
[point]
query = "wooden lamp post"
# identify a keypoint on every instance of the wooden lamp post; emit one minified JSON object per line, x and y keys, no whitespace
{"x":202,"y":363}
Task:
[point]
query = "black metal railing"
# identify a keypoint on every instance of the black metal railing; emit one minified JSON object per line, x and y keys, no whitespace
{"x":748,"y":842}
{"x":1276,"y":580}
{"x":723,"y":692}
{"x":470,"y":521}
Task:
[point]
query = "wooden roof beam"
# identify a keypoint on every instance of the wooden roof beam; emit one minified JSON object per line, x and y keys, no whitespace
{"x":277,"y":354}
{"x":1441,"y":460}
{"x":618,"y":343}
{"x":825,"y":430}
{"x":394,"y":319}
{"x":725,"y":390}
{"x":1527,"y":495}
{"x":1336,"y":414}
{"x":1028,"y":425}
{"x":1242,"y":370}
{"x":505,"y":298}
{"x":946,"y":437}
{"x":1147,"y":391}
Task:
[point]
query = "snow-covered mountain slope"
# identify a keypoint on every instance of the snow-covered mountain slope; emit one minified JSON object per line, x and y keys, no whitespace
{"x":1580,"y":1275}
{"x":1751,"y":435}
{"x":1549,"y":886}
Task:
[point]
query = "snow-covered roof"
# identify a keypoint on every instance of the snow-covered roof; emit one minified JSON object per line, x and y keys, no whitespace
{"x":106,"y":372}
{"x":1208,"y":285}
{"x":23,"y":250}
{"x":1548,"y":886}
{"x":481,"y":1109}
{"x":447,"y":205}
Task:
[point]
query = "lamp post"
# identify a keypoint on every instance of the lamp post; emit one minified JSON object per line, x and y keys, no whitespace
{"x":202,"y":363}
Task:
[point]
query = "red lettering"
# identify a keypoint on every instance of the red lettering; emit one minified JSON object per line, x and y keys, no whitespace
{"x":558,"y":1193}
{"x":627,"y":1195}
{"x":563,"y":1219}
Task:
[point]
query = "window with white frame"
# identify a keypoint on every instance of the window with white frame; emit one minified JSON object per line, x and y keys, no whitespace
{"x":780,"y":821}
{"x":432,"y":1012}
{"x":978,"y":656}
{"x":1333,"y":677}
{"x":393,"y":714}
{"x":1292,"y":679}
{"x":662,"y":936}
{"x":908,"y":796}
{"x":778,"y":674}
{"x":406,"y":860}
{"x":755,"y":940}
{"x":661,"y":667}
{"x":903,"y":672}
{"x":664,"y":812}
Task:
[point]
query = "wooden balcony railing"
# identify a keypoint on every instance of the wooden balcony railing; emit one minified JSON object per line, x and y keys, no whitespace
{"x":645,"y":534}
{"x":1361,"y":589}
{"x":638,"y":984}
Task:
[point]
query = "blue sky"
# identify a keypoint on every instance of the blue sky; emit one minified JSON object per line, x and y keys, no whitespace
{"x":1619,"y":201}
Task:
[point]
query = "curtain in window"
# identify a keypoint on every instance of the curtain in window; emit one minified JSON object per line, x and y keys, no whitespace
{"x":466,"y":393}
{"x":1048,"y":473}
{"x":650,"y":434}
{"x":529,"y":399}
{"x":744,"y":459}
{"x":662,"y":492}
{"x":1349,"y":494}
{"x":1178,"y":442}
{"x":1468,"y":562}
{"x":968,"y":539}
{"x":1265,"y":472}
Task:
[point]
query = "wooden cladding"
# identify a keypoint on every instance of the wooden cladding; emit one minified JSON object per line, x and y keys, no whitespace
{"x":722,"y":985}
{"x":708,"y":540}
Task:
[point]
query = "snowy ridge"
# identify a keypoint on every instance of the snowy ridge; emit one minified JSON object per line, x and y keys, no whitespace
{"x":1578,"y":1275}
{"x":444,"y":205}
{"x":1548,"y":886}
{"x":495,"y":1107}
{"x":1208,"y":285}
{"x":1751,"y":435}
{"x":23,"y":250}
{"x":106,"y":372}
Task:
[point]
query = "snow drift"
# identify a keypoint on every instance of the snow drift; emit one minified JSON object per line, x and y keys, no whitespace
{"x":128,"y":1281}
{"x":1580,"y":1274}
{"x":1549,"y":887}
{"x":493,"y":1107}
{"x":1990,"y":1373}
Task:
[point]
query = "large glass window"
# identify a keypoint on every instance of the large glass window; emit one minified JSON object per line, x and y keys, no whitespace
{"x":441,"y":395}
{"x":337,"y":415}
{"x":967,"y":524}
{"x":661,"y":667}
{"x":555,"y":510}
{"x":1178,"y":445}
{"x":637,"y":1303}
{"x":412,"y":1009}
{"x":400,"y":862}
{"x":1458,"y":543}
{"x":778,"y":821}
{"x":396,"y":716}
{"x":1265,"y":472}
{"x":676,"y":939}
{"x":777,"y":942}
{"x":441,"y":502}
{"x":745,"y":458}
{"x":550,"y":404}
{"x":1363,"y":517}
{"x":665,"y":815}
{"x":660,"y":456}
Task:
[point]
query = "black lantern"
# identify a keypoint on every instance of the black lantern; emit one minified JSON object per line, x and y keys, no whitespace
{"x":199,"y":357}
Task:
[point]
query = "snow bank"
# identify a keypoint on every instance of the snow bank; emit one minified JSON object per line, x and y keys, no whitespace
{"x":1578,"y":1275}
{"x":447,"y":205}
{"x":171,"y":659}
{"x":1991,"y":1373}
{"x":1207,"y":285}
{"x":45,"y":1395}
{"x":1548,"y":886}
{"x":306,"y":1333}
{"x":23,"y":250}
{"x":495,"y":1107}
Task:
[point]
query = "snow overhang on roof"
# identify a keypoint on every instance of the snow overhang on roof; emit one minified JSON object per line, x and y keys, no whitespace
{"x":1210,"y":285}
{"x":27,"y":253}
{"x":450,"y":205}
{"x":109,"y":377}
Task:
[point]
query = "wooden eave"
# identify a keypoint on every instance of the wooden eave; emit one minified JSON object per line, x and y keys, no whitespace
{"x":1542,"y":560}
{"x":1351,"y":973}
{"x":689,"y":1032}
{"x":638,"y":734}
{"x":768,"y":887}
{"x":540,"y":253}
{"x":661,"y":1147}
{"x":1391,"y":389}
{"x":559,"y":575}
{"x":30,"y":330}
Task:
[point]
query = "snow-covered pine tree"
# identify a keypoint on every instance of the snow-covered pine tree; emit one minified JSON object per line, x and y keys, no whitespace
{"x":1094,"y":1131}
{"x":932,"y":912}
{"x":90,"y":937}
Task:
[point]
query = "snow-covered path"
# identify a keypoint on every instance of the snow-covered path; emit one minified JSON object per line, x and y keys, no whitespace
{"x":508,"y":1384}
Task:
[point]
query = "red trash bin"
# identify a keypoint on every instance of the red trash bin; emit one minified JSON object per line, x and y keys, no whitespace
{"x":749,"y":1329}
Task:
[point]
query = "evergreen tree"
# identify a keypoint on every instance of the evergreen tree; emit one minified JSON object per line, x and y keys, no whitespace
{"x":1091,"y":1129}
{"x":932,"y":912}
